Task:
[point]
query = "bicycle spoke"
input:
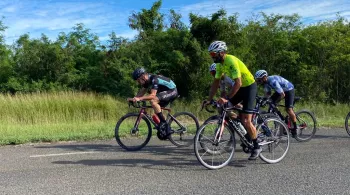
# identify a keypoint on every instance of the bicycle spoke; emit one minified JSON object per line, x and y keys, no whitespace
{"x":215,"y":155}
{"x":276,"y":146}
{"x":184,"y":125}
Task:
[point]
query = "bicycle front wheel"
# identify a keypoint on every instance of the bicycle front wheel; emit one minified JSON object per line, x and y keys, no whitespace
{"x":347,"y":123}
{"x":273,"y":138}
{"x":133,"y":133}
{"x":306,"y":125}
{"x":211,"y":152}
{"x":185,"y":126}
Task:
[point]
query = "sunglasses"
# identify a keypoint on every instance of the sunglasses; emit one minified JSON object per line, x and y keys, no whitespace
{"x":213,"y":54}
{"x":259,"y":80}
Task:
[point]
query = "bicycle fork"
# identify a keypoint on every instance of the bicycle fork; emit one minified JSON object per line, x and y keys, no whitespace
{"x":135,"y":130}
{"x":218,"y":133}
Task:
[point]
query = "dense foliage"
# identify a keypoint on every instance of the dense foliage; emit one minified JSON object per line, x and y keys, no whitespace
{"x":316,"y":58}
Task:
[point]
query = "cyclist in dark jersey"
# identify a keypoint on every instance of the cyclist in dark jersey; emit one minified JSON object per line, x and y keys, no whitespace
{"x":283,"y":89}
{"x":162,"y":91}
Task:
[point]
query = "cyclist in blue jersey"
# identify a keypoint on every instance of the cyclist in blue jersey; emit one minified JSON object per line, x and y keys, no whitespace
{"x":283,"y":89}
{"x":162,"y":91}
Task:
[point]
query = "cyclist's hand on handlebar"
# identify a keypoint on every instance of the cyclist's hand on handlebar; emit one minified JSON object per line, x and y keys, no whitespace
{"x":134,"y":99}
{"x":222,"y":101}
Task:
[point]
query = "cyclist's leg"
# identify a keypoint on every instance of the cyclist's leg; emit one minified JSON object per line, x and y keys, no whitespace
{"x":164,"y":98}
{"x":249,"y":94}
{"x":289,"y":99}
{"x":156,"y":107}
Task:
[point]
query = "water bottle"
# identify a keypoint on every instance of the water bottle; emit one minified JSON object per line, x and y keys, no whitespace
{"x":155,"y":118}
{"x":241,"y":128}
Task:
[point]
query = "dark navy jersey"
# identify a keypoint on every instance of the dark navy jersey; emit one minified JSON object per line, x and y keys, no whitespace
{"x":159,"y":83}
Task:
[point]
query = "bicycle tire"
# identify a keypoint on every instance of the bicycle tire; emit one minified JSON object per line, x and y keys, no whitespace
{"x":211,"y":118}
{"x":216,"y":117}
{"x":347,"y":121}
{"x":302,"y":125}
{"x":120,"y":134}
{"x":205,"y":136}
{"x":272,"y":151}
{"x":266,"y":115}
{"x":183,"y":137}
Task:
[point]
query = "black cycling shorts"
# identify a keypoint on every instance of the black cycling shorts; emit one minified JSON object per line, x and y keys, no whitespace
{"x":167,"y":96}
{"x":247,"y":96}
{"x":288,"y":99}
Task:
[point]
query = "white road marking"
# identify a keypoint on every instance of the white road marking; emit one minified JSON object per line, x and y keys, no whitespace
{"x":61,"y":154}
{"x":170,"y":146}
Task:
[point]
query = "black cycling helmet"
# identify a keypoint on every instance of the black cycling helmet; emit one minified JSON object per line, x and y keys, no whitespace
{"x":138,"y":72}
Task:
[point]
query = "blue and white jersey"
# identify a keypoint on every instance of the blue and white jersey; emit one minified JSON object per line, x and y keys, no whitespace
{"x":277,"y":83}
{"x":226,"y":83}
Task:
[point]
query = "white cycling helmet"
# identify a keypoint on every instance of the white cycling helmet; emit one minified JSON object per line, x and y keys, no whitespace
{"x":260,"y":74}
{"x":217,"y":46}
{"x":212,"y":67}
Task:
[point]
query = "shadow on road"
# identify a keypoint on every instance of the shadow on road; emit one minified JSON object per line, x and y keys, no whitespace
{"x":84,"y":147}
{"x":329,"y":136}
{"x":156,"y":157}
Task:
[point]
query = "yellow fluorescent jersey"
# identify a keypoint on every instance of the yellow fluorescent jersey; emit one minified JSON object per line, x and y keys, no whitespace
{"x":234,"y":68}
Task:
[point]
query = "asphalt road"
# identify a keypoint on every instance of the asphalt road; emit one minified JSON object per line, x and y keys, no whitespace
{"x":320,"y":166}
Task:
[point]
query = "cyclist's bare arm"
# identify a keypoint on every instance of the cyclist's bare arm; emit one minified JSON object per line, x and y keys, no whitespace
{"x":142,"y":92}
{"x":138,"y":96}
{"x":223,"y":94}
{"x":151,"y":96}
{"x":280,"y":97}
{"x":235,"y":88}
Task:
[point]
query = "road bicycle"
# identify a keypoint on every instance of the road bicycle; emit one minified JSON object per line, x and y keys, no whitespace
{"x":347,"y":121}
{"x":306,"y":121}
{"x":134,"y":130}
{"x":214,"y":143}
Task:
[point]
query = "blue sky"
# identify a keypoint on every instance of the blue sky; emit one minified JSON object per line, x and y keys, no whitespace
{"x":104,"y":16}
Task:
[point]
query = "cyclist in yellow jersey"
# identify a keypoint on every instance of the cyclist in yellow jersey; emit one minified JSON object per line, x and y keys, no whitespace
{"x":244,"y":90}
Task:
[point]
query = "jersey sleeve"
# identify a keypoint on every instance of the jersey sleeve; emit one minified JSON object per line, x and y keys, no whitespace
{"x":277,"y":86}
{"x":222,"y":86}
{"x":155,"y":84}
{"x":219,"y":71}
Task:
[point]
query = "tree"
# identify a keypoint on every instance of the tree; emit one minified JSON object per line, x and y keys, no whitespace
{"x":147,"y":21}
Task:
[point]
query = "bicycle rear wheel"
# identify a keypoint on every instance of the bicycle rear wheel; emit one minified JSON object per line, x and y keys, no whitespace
{"x":133,"y":137}
{"x":214,"y":154}
{"x":306,"y":125}
{"x":347,"y":123}
{"x":273,"y":138}
{"x":185,"y":126}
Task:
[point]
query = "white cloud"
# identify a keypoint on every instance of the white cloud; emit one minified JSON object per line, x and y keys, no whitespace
{"x":103,"y":17}
{"x":130,"y":34}
{"x":51,"y":18}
